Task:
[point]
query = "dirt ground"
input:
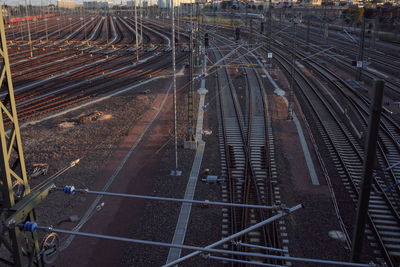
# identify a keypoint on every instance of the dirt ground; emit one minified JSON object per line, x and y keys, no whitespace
{"x":101,"y":144}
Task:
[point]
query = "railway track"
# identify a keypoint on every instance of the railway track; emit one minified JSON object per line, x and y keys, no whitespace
{"x":367,"y":74}
{"x":283,"y":38}
{"x":347,"y":157}
{"x":338,"y":132}
{"x":246,"y":146}
{"x":95,"y":70}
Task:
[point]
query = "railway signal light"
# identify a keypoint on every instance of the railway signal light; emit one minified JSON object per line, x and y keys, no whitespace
{"x":237,"y":34}
{"x":370,"y":26}
{"x":262,"y":27}
{"x":206,"y":41}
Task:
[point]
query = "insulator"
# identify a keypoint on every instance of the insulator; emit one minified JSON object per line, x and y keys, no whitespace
{"x":30,"y":227}
{"x":69,"y":189}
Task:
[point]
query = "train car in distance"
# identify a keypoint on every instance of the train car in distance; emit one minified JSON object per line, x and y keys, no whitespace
{"x":38,"y":17}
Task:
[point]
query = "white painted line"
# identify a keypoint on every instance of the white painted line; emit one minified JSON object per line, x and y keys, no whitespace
{"x":307,"y":155}
{"x":184,"y":214}
{"x":377,"y":72}
{"x":306,"y":151}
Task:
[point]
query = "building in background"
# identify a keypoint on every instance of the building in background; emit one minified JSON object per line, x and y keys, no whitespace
{"x":316,"y":2}
{"x":130,"y":3}
{"x":66,"y":4}
{"x":97,"y":4}
{"x":162,"y":4}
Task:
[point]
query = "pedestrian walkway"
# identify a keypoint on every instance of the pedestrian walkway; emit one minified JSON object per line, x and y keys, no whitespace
{"x":184,"y":214}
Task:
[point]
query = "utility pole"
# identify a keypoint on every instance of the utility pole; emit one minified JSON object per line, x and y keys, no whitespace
{"x":21,"y":248}
{"x":136,"y":33}
{"x":269,"y":27}
{"x":326,"y":26}
{"x":191,"y":85}
{"x":366,"y":183}
{"x":177,"y":28}
{"x":247,"y":15}
{"x":141,"y":24}
{"x":251,"y":32}
{"x":375,"y":30}
{"x":360,"y":57}
{"x":84,"y":22}
{"x":214,"y":15}
{"x":175,"y":172}
{"x":45,"y":24}
{"x":58,"y":21}
{"x":106,"y":22}
{"x":198,"y":33}
{"x":190,"y":129}
{"x":308,"y":32}
{"x":29,"y":29}
{"x":293,"y":73}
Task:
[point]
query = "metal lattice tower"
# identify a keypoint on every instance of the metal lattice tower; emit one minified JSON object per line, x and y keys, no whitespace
{"x":21,"y":249}
{"x":190,"y":134}
{"x":197,"y":33}
{"x":190,"y":110}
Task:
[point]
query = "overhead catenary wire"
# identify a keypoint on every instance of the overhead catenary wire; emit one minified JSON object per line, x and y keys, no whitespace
{"x":32,"y":227}
{"x":239,"y":244}
{"x":298,"y":259}
{"x":209,"y":256}
{"x":71,"y":190}
{"x":57,"y":174}
{"x":236,"y":235}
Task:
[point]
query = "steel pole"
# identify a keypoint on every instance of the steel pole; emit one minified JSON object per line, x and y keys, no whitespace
{"x":366,"y":183}
{"x":269,"y":27}
{"x":84,"y":22}
{"x":136,"y":33}
{"x":141,"y":24}
{"x":360,"y":57}
{"x":29,"y":29}
{"x":308,"y":32}
{"x":293,"y":73}
{"x":45,"y":22}
{"x":176,"y":172}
